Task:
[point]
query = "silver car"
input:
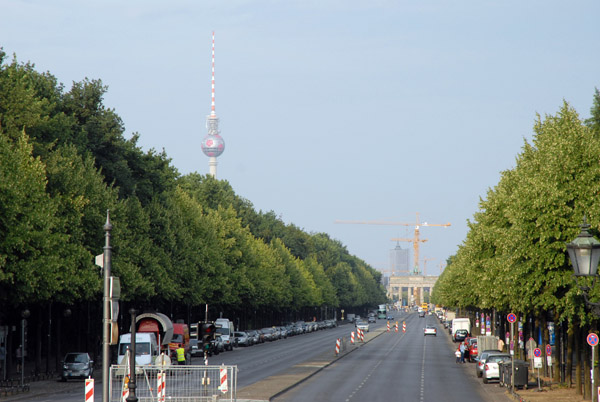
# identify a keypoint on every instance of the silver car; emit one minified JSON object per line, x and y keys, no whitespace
{"x":481,"y":361}
{"x":77,"y":365}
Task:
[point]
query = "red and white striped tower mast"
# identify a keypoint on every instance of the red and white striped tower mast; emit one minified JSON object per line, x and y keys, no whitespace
{"x":213,"y":145}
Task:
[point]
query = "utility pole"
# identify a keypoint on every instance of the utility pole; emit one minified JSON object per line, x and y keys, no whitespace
{"x":106,"y":330}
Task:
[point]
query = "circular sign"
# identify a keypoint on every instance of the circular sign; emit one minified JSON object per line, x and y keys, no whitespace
{"x":592,"y":339}
{"x":537,"y":352}
{"x":548,"y":350}
{"x":511,"y":317}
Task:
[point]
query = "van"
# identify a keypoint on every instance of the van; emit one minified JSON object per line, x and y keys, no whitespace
{"x":146,"y":348}
{"x":225,"y":329}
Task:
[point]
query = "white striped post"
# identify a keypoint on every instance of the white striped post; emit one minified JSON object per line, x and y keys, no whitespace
{"x":224,"y":387}
{"x":89,"y":390}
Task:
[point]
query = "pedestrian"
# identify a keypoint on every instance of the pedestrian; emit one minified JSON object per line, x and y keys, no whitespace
{"x":19,"y":355}
{"x":462,"y":352}
{"x":500,"y":345}
{"x":457,"y":354}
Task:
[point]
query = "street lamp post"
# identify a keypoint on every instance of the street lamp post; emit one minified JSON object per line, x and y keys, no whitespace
{"x":584,"y":253}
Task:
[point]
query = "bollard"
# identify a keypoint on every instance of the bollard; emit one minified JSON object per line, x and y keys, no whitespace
{"x":388,"y":326}
{"x":337,"y":346}
{"x":352,"y":337}
{"x":89,"y":390}
{"x":403,"y":326}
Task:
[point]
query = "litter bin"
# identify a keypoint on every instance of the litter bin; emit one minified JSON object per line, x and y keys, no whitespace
{"x":521,"y":373}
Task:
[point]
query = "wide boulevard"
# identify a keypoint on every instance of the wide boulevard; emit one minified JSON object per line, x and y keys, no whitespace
{"x":398,"y":366}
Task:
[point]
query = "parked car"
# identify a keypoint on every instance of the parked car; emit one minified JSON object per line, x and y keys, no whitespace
{"x":460,"y":335}
{"x":472,"y":348}
{"x":77,"y":365}
{"x":491,"y":368}
{"x":481,"y":361}
{"x":242,"y":338}
{"x":429,"y":330}
{"x":269,"y":334}
{"x":254,"y":336}
{"x":364,"y":326}
{"x":217,"y":345}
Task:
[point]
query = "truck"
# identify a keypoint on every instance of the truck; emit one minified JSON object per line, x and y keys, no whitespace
{"x":351,"y":317}
{"x":460,"y":323}
{"x":181,"y":338}
{"x":225,"y":330}
{"x":158,"y":324}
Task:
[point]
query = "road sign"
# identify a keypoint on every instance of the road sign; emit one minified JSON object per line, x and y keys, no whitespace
{"x":592,"y":339}
{"x":548,"y":350}
{"x":537,"y":352}
{"x":511,"y":317}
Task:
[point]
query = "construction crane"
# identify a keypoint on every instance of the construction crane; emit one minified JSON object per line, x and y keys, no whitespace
{"x":425,"y":264}
{"x":417,"y":236}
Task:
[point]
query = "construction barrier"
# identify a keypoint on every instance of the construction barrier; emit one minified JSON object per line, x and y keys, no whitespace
{"x":160,"y":386}
{"x":403,"y":326}
{"x":176,"y":383}
{"x":89,"y":390}
{"x":337,"y":346}
{"x":352,"y":338}
{"x":388,"y":326}
{"x":396,"y":327}
{"x":224,"y":387}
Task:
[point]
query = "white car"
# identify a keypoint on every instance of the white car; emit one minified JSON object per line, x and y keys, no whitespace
{"x":491,"y":369}
{"x":362,"y":326}
{"x":428,"y":330}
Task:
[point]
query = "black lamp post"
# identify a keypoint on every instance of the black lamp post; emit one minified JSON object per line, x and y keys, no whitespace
{"x":584,"y":253}
{"x":132,"y":386}
{"x":25,"y":315}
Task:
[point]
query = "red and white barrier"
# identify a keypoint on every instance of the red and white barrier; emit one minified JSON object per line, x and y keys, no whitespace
{"x":352,"y":338}
{"x":89,"y":390}
{"x":160,"y":386}
{"x":224,"y":387}
{"x":396,"y":326}
{"x":361,"y":334}
{"x":403,"y":326}
{"x":125,"y":391}
{"x":388,"y":326}
{"x":337,"y":346}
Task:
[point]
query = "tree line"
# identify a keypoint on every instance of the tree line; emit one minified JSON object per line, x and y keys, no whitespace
{"x":179,"y":242}
{"x":514,"y":258}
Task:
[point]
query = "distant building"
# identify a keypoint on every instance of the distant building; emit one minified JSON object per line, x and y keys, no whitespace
{"x":399,"y":261}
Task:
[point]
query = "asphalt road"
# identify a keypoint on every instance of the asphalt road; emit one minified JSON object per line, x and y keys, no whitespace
{"x":398,"y":367}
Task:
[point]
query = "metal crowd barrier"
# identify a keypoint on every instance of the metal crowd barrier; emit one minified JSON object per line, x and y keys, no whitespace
{"x":176,"y":383}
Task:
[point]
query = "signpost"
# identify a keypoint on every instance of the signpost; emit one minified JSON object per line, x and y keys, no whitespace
{"x":592,"y":340}
{"x":549,"y":355}
{"x":512,"y":318}
{"x":537,"y":363}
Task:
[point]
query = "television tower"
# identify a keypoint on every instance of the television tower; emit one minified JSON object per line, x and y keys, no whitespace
{"x":213,"y":145}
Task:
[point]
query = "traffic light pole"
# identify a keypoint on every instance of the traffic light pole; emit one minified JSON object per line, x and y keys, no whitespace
{"x":106,"y":335}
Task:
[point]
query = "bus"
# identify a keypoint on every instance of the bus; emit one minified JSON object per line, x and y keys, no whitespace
{"x":425,"y":306}
{"x":382,"y":312}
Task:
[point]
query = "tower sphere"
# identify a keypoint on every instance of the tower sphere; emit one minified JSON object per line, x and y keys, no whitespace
{"x":213,"y":145}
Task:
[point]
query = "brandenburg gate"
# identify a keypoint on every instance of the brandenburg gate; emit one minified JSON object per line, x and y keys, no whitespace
{"x":415,"y":287}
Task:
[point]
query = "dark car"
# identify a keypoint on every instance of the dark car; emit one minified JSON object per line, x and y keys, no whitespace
{"x":460,"y":335}
{"x":77,"y":365}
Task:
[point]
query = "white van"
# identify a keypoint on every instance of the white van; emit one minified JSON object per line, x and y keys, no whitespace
{"x":225,"y":329}
{"x":146,"y":348}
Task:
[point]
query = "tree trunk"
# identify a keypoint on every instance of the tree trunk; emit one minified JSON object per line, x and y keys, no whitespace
{"x":577,"y":349}
{"x":557,"y":356}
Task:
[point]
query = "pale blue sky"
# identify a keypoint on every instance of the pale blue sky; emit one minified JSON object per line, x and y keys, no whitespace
{"x":330,"y":109}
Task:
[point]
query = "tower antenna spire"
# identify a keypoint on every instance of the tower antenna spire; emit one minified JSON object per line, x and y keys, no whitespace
{"x":213,"y":145}
{"x":212,"y":105}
